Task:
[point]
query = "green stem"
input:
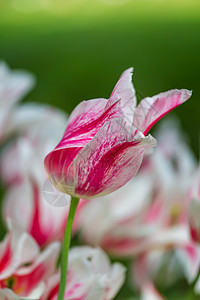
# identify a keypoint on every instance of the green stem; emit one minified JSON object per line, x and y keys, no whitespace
{"x":196,"y":279}
{"x":191,"y":293}
{"x":65,"y":247}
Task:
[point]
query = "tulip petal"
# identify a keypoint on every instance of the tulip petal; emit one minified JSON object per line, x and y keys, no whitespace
{"x":27,"y":279}
{"x":90,"y":276}
{"x":30,"y":116}
{"x":56,"y":165}
{"x":14,"y":84}
{"x":109,"y":161}
{"x":7,"y":294}
{"x":189,"y":257}
{"x":89,"y":116}
{"x":150,"y":110}
{"x":125,"y":91}
{"x":95,"y":273}
{"x":86,"y":120}
{"x":17,"y":249}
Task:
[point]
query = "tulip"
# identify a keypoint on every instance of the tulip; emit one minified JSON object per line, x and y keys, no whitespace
{"x":103,"y":146}
{"x":91,"y":276}
{"x":25,"y":206}
{"x":173,"y":160}
{"x":17,"y":249}
{"x":104,"y":142}
{"x":23,"y":268}
{"x":21,"y":170}
{"x":172,"y":248}
{"x":167,"y":263}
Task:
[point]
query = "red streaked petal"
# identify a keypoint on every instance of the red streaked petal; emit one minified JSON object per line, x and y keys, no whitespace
{"x":151,"y":110}
{"x":110,"y":160}
{"x":86,"y":120}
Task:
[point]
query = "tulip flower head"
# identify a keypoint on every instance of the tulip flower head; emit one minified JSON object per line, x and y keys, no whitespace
{"x":104,"y":142}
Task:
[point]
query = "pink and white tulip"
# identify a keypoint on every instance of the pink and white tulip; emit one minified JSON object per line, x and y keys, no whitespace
{"x":173,"y":165}
{"x":17,"y":249}
{"x":167,"y":263}
{"x":24,"y":203}
{"x":26,"y":207}
{"x":23,"y":268}
{"x":104,"y":143}
{"x":90,"y":276}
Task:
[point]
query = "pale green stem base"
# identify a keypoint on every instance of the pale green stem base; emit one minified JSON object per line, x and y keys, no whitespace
{"x":191,"y":294}
{"x":65,"y":247}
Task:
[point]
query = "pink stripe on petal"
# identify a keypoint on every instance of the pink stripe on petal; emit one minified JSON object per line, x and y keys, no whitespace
{"x":23,"y":285}
{"x":92,"y":117}
{"x":6,"y":258}
{"x":110,"y":160}
{"x":29,"y":277}
{"x":151,"y":110}
{"x":192,"y":252}
{"x":36,"y":229}
{"x":123,"y":246}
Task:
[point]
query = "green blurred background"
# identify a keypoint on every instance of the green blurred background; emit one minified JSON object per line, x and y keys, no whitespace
{"x":78,"y":48}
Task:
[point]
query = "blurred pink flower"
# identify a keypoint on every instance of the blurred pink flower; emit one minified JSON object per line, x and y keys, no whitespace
{"x":173,"y":164}
{"x":119,"y":226}
{"x":26,"y":207}
{"x":13,"y":86}
{"x":153,"y":213}
{"x":17,"y":249}
{"x":22,"y":171}
{"x":90,"y":276}
{"x":27,"y":273}
{"x":167,"y":264}
{"x":23,"y":268}
{"x":194,"y":207}
{"x":171,"y":245}
{"x":104,"y":143}
{"x":138,"y":223}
